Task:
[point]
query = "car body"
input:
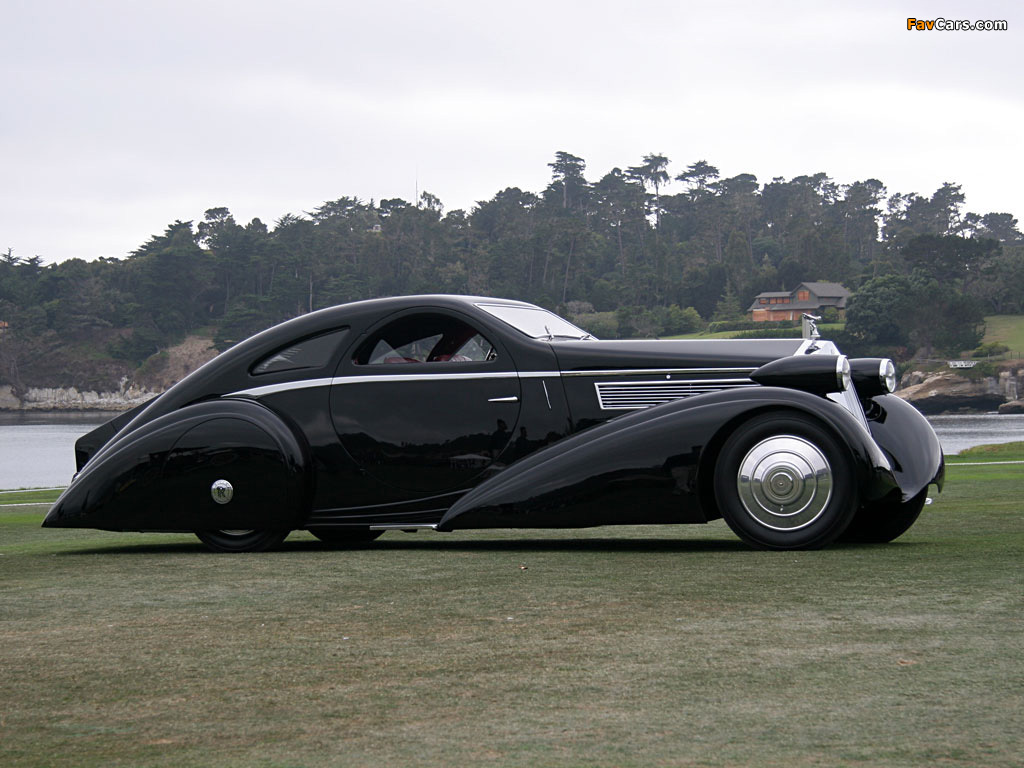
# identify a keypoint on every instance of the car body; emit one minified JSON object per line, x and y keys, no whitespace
{"x":452,"y":412}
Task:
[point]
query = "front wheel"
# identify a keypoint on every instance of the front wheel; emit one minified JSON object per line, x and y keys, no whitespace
{"x":241,"y":541}
{"x":782,"y":481}
{"x":885,"y":520}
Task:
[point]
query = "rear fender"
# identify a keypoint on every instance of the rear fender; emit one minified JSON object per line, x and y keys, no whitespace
{"x":90,"y":443}
{"x":159,"y":476}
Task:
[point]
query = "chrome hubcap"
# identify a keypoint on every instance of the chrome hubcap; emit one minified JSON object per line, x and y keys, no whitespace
{"x":222,"y":491}
{"x":236,"y":532}
{"x":784,"y":482}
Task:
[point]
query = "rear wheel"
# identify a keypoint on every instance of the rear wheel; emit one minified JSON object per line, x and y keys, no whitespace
{"x":353,"y":535}
{"x":885,"y":520}
{"x":782,"y":481}
{"x":241,"y":540}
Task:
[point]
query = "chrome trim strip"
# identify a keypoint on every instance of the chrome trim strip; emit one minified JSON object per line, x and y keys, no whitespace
{"x":510,"y":399}
{"x":404,"y":527}
{"x":546,"y":395}
{"x":285,"y":386}
{"x":656,"y":371}
{"x":373,"y":378}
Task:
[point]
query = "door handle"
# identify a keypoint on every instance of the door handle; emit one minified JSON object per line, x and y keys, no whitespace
{"x":512,"y":399}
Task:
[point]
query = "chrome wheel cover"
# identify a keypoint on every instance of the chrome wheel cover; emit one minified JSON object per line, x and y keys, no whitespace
{"x":784,"y":482}
{"x":236,"y":532}
{"x":222,"y":491}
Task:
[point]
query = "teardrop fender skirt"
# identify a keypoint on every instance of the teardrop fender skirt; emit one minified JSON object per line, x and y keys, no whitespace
{"x":908,"y":442}
{"x":160,"y":476}
{"x":650,"y":466}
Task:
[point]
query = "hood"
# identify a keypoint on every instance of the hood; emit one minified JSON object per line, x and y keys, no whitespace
{"x":686,"y":353}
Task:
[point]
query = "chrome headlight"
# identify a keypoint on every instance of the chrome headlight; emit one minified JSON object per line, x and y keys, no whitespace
{"x":873,"y":376}
{"x":887,"y":373}
{"x":843,"y":377}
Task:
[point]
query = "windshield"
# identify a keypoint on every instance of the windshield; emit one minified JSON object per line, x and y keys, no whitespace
{"x":536,"y":322}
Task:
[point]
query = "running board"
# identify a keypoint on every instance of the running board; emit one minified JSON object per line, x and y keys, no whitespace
{"x":404,"y":527}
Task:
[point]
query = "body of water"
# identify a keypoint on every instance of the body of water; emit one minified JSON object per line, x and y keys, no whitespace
{"x":965,"y":431}
{"x":37,"y":450}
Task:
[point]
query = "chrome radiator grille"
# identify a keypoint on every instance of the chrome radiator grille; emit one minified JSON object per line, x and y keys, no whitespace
{"x":631,"y":395}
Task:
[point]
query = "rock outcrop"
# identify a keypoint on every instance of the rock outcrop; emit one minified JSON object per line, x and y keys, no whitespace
{"x":950,"y":392}
{"x":154,"y":376}
{"x":71,"y":399}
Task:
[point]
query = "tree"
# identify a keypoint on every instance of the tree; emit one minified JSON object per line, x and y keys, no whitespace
{"x":165,"y":272}
{"x":652,"y":173}
{"x":912,"y":215}
{"x":880,"y":311}
{"x":676,"y":320}
{"x":860,"y":212}
{"x":1001,"y":287}
{"x":894,"y":310}
{"x":619,"y":209}
{"x":698,"y":177}
{"x":950,"y":260}
{"x":728,"y":307}
{"x":567,"y":179}
{"x":1001,"y":227}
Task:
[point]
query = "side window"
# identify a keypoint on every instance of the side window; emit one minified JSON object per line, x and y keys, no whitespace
{"x":415,"y":351}
{"x":425,"y":338}
{"x":476,"y":350}
{"x":315,"y":352}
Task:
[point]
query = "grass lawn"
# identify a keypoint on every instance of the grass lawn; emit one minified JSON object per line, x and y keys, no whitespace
{"x":653,"y":646}
{"x":999,"y":452}
{"x":28,"y":496}
{"x":1006,"y":329}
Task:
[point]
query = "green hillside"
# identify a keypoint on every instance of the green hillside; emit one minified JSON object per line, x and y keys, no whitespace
{"x":1005,"y":329}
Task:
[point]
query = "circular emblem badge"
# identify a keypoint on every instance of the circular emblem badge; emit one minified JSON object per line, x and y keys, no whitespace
{"x":222,"y":491}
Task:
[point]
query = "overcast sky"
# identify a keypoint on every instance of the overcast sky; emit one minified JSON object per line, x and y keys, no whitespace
{"x":120,"y":117}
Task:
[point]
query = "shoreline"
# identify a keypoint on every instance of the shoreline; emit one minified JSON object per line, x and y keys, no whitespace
{"x":65,"y":411}
{"x":72,"y":399}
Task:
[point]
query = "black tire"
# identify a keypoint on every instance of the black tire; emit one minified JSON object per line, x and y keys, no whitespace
{"x":353,"y":535}
{"x":884,"y":520}
{"x":797,"y":490}
{"x":241,"y":541}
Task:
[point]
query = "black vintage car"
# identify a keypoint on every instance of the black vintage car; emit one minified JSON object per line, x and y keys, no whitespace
{"x":449,"y":412}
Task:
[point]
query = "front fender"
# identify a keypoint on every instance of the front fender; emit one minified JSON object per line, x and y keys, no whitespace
{"x":159,"y":476}
{"x":909,"y":442}
{"x":647,"y":466}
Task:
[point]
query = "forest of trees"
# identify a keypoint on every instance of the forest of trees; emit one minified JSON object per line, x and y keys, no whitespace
{"x":641,"y":251}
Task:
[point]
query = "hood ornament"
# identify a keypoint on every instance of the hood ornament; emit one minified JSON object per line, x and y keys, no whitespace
{"x":810,"y":332}
{"x":810,"y":326}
